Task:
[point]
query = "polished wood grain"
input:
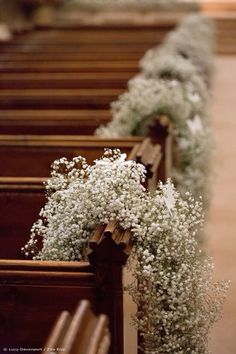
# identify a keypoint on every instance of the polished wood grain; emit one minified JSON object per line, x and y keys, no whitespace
{"x":61,"y":80}
{"x":69,"y":66}
{"x":58,"y":98}
{"x":73,"y":121}
{"x":32,"y":156}
{"x":80,"y":332}
{"x":52,"y":121}
{"x":36,"y":292}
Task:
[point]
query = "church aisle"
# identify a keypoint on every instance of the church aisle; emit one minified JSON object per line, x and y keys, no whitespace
{"x":222,"y":225}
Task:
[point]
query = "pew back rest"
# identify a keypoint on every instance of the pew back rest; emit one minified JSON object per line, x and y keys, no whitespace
{"x":31,"y":156}
{"x":36,"y":291}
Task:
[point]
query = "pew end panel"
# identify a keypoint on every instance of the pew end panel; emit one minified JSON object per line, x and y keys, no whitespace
{"x":21,"y":200}
{"x":34,"y":292}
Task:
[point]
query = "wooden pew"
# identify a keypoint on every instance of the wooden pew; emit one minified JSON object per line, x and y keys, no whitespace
{"x":21,"y":200}
{"x":28,"y":289}
{"x":74,"y":56}
{"x":136,"y":38}
{"x":88,"y":78}
{"x":97,"y":35}
{"x":13,"y":278}
{"x":31,"y":156}
{"x":44,"y":41}
{"x":103,"y":34}
{"x":58,"y":98}
{"x":45,"y":81}
{"x":92,"y":49}
{"x":32,"y":293}
{"x":69,"y":66}
{"x":80,"y":50}
{"x":52,"y":121}
{"x":25,"y":160}
{"x":111,"y":43}
{"x":58,"y":80}
{"x":23,"y":196}
{"x":82,"y":332}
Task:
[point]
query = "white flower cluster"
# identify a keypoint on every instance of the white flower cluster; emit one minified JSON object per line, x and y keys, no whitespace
{"x":171,"y":84}
{"x":82,"y":197}
{"x":191,"y":43}
{"x":176,"y":298}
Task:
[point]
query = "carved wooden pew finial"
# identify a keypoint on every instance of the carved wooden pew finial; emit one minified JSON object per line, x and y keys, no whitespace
{"x":151,"y":156}
{"x":160,"y":131}
{"x":110,"y":242}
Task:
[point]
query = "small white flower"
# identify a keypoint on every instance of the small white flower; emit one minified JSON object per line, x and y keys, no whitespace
{"x":169,"y":197}
{"x":195,"y":125}
{"x":194,"y":97}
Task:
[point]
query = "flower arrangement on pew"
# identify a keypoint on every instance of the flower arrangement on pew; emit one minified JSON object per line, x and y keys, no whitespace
{"x":185,"y":105}
{"x":193,"y":41}
{"x":171,"y":84}
{"x":176,"y":298}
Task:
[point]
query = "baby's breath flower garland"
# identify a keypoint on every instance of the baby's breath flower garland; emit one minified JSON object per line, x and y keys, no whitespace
{"x":192,"y":41}
{"x":83,"y":196}
{"x":177,"y":300}
{"x":184,"y":102}
{"x":174,"y":81}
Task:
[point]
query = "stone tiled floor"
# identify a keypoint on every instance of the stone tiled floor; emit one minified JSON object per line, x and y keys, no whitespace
{"x":222,"y":224}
